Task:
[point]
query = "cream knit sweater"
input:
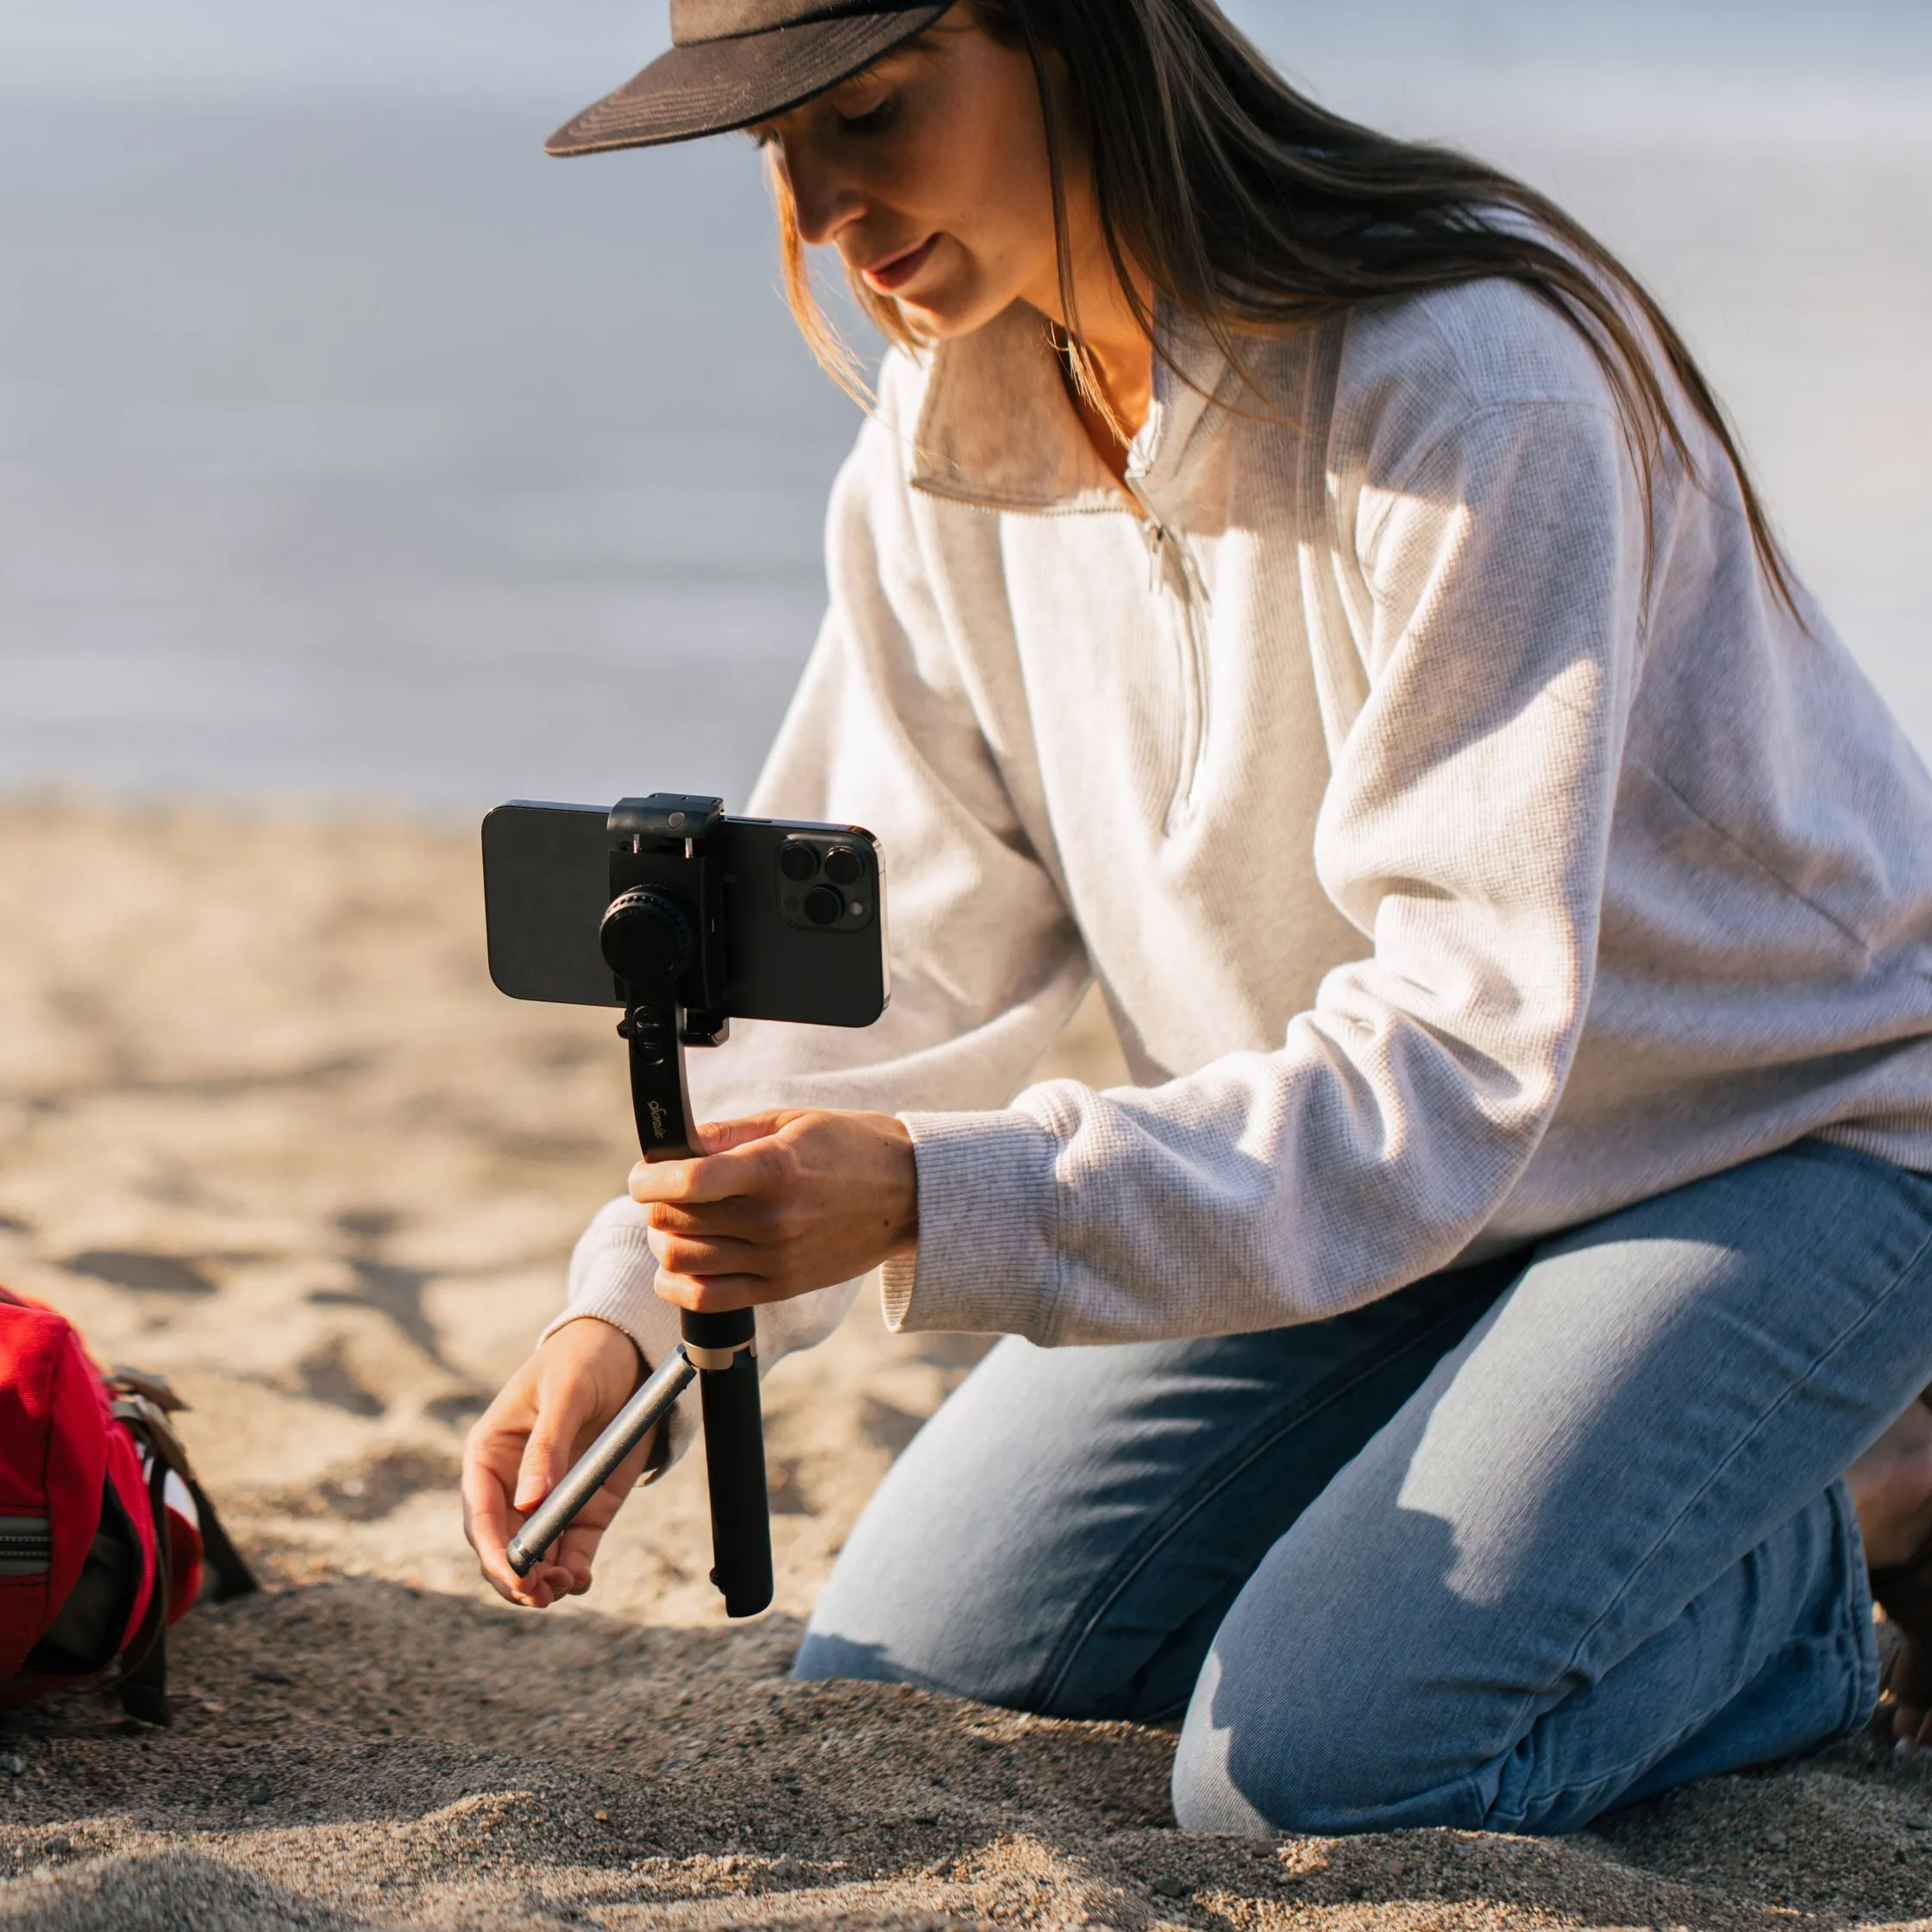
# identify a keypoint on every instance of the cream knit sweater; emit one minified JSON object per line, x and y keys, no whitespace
{"x":1451,"y":876}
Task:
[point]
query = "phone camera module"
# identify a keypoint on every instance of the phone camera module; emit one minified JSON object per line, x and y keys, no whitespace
{"x":797,"y":861}
{"x":823,"y":906}
{"x":844,"y":867}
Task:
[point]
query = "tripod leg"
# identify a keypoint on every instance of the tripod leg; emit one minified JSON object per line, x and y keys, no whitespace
{"x":734,"y":1458}
{"x":721,"y":1346}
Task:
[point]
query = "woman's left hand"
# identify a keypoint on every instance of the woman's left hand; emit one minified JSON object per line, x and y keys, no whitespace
{"x":779,"y":1205}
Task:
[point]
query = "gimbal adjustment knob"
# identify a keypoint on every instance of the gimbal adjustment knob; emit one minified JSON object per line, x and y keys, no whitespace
{"x":647,"y":937}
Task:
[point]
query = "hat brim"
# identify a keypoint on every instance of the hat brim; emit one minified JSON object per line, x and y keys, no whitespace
{"x":713,"y":86}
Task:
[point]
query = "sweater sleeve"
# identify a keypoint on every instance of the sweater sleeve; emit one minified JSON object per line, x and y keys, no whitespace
{"x":1465,"y":830}
{"x":986,"y":963}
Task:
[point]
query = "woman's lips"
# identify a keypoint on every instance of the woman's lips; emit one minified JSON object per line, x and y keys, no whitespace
{"x":896,"y":270}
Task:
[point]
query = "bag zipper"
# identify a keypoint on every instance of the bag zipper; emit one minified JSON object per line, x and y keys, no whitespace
{"x":1171,"y":563}
{"x":26,"y":1545}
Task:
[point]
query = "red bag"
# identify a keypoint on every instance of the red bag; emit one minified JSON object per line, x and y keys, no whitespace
{"x":103,"y":1530}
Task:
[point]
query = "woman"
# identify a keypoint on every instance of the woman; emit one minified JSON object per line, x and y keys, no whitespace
{"x":1297,"y":580}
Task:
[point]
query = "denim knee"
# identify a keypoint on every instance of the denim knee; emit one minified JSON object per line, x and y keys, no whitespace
{"x":1323,"y":1718}
{"x":1265,"y":1749}
{"x":1205,"y":1795}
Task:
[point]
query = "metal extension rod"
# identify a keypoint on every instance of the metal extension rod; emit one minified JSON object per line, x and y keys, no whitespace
{"x":626,"y":1430}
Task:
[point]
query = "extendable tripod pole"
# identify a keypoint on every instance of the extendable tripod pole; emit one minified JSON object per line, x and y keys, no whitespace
{"x":660,"y":937}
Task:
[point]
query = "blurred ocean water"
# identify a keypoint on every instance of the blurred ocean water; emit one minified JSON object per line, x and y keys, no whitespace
{"x":350,"y":448}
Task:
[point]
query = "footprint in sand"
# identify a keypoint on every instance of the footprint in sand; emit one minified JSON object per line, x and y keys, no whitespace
{"x":143,"y":1271}
{"x":326,"y":1376}
{"x":393,"y":1292}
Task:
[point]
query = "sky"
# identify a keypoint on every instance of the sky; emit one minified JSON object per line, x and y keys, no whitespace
{"x":524,"y":49}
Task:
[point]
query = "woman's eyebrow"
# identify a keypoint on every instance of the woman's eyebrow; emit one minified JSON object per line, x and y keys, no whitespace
{"x":883,"y":62}
{"x":921,"y":46}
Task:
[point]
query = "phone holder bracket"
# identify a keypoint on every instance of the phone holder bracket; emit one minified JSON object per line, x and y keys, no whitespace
{"x":663,"y":938}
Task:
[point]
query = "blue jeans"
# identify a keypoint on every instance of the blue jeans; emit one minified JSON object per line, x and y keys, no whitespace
{"x":1524,"y":1541}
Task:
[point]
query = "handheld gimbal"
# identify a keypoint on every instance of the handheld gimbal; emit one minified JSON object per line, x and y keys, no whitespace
{"x":663,"y":938}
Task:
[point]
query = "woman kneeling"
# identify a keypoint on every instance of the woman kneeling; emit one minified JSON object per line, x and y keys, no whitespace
{"x":1298,"y":581}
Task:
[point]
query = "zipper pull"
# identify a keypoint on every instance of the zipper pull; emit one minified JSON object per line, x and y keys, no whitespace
{"x":1153,"y":532}
{"x":1190,"y":572}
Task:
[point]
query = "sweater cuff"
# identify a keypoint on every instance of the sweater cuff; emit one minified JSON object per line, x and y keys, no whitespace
{"x":988,"y":1199}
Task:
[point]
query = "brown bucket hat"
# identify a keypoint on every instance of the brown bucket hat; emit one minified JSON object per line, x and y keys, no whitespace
{"x":733,"y":62}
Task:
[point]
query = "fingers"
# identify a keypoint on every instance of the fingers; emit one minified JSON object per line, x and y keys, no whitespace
{"x":767,"y":1270}
{"x":805,"y":1200}
{"x":541,"y":1420}
{"x":704,"y":1254}
{"x":741,"y":1218}
{"x":1911,"y":1729}
{"x":717,"y":1294}
{"x":490,"y":1518}
{"x":572,"y":1556}
{"x":720,"y":1137}
{"x":549,"y":1449}
{"x":491,"y":1453}
{"x":486,"y":1523}
{"x":548,"y":1583}
{"x":564,"y":1569}
{"x":753,"y":1167}
{"x":1907,"y":1724}
{"x":489,"y":1522}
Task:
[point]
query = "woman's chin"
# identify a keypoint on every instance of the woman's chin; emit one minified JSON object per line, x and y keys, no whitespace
{"x":945,"y":303}
{"x":944,"y":318}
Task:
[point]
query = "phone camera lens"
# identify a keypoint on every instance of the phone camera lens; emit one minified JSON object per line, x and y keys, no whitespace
{"x":844,"y":867}
{"x":797,"y":860}
{"x":823,"y":906}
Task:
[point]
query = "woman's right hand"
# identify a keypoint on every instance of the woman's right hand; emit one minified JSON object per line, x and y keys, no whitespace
{"x":544,"y":1417}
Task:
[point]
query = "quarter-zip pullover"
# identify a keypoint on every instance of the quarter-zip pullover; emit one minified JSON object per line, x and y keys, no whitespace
{"x":1463,"y":854}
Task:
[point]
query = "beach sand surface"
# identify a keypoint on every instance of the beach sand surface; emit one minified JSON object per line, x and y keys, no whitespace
{"x":268,"y":1129}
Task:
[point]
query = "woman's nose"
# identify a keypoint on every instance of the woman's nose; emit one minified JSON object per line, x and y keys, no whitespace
{"x":826,"y":201}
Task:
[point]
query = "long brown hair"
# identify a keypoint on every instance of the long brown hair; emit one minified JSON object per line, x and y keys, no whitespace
{"x":1254,"y":210}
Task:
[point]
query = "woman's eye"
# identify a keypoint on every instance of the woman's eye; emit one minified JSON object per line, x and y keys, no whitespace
{"x":873,"y":121}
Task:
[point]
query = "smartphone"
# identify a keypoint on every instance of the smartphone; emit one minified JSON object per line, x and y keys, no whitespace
{"x":805,"y":926}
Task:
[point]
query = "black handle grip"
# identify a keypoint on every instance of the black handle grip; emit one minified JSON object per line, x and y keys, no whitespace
{"x":735,"y":1461}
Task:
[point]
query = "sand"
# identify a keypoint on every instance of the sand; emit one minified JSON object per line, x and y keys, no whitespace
{"x":267,"y":1129}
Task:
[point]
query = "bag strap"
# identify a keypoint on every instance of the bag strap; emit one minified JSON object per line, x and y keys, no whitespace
{"x":143,"y":1677}
{"x":146,"y":1417}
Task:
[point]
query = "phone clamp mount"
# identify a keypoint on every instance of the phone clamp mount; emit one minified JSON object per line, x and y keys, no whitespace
{"x":663,"y":938}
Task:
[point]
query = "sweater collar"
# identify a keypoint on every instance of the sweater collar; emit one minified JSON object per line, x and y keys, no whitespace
{"x":998,"y":431}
